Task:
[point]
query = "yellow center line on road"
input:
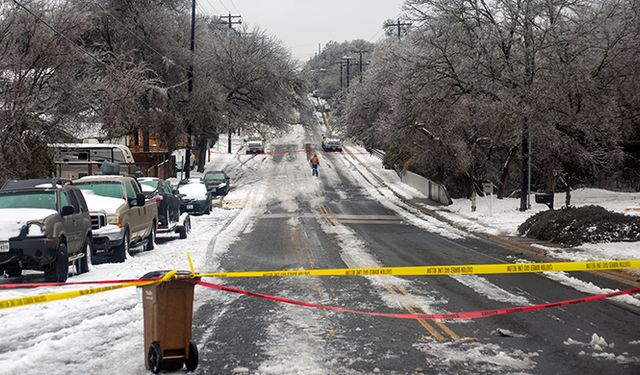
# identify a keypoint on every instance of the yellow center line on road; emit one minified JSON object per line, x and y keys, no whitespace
{"x":434,"y":332}
{"x":398,"y":290}
{"x":438,"y":322}
{"x":294,"y":236}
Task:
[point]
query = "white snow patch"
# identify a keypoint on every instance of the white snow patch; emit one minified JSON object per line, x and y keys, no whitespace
{"x":485,"y":288}
{"x":588,"y":287}
{"x":483,"y":357}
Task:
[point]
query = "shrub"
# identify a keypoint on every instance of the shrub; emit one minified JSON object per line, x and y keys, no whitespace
{"x":575,"y":226}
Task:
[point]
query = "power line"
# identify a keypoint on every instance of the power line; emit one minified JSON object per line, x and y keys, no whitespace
{"x":382,"y":29}
{"x":224,"y":6}
{"x":80,"y":48}
{"x":164,"y":58}
{"x":210,"y":4}
{"x":235,"y":7}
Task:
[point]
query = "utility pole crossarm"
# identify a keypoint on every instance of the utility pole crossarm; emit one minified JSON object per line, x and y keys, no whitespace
{"x":229,"y":20}
{"x":399,"y":25}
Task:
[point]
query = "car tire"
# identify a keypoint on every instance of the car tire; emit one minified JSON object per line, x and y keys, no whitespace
{"x":184,"y":230}
{"x":58,"y":271}
{"x":12,"y":270}
{"x":151,"y":239}
{"x":192,"y":362}
{"x":154,"y":358}
{"x":120,"y":252}
{"x":84,"y":263}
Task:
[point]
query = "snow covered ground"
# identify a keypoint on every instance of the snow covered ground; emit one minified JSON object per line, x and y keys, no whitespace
{"x":103,"y":333}
{"x":504,"y":216}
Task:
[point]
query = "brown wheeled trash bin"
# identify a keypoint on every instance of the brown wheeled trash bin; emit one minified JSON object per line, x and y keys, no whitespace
{"x":168,"y":312}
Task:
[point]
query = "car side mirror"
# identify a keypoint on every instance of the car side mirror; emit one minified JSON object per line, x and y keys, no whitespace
{"x":140,"y":200}
{"x":67,"y":210}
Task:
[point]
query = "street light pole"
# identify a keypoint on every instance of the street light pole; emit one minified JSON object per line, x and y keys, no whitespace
{"x":186,"y":166}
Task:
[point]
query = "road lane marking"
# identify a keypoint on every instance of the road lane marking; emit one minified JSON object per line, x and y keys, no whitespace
{"x":438,"y":322}
{"x":428,"y":327}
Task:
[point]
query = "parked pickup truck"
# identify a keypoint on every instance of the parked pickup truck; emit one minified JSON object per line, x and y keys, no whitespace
{"x":121,"y":217}
{"x":45,"y":226}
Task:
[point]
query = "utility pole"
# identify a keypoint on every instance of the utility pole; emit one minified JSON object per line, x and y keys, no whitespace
{"x":230,"y":22}
{"x":346,"y":59}
{"x":360,"y":62}
{"x":341,"y":71}
{"x":186,"y":166}
{"x":398,"y":25}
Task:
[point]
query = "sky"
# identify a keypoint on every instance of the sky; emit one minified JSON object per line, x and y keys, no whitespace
{"x":302,"y":24}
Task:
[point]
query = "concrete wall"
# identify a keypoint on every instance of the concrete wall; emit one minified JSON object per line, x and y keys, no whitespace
{"x":433,"y":190}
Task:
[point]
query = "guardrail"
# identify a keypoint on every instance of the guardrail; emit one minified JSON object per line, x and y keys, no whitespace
{"x":377,"y":153}
{"x":433,"y":190}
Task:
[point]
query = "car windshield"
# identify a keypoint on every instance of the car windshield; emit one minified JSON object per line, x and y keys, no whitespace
{"x":104,"y":188}
{"x":149,"y":186}
{"x":214,"y":176}
{"x":36,"y":199}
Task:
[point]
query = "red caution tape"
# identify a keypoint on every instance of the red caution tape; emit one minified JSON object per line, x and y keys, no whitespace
{"x":98,"y":282}
{"x":450,"y":316}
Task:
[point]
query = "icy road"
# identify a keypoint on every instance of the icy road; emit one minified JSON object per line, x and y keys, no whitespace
{"x":278,"y":216}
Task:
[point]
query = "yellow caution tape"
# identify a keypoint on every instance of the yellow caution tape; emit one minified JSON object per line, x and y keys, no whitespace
{"x":42,"y":298}
{"x":470,"y":269}
{"x":193,"y":271}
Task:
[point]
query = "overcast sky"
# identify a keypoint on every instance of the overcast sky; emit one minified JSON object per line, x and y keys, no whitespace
{"x":302,"y":24}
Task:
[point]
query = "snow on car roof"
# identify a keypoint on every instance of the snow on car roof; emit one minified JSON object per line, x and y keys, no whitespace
{"x":194,"y":190}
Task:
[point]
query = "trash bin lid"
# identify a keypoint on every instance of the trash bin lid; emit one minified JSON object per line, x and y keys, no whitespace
{"x":160,"y":274}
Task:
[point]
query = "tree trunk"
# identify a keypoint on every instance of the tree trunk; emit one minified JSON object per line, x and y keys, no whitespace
{"x":504,"y":175}
{"x":202,"y":154}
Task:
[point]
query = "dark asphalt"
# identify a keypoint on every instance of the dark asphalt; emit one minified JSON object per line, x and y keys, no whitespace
{"x":244,"y":334}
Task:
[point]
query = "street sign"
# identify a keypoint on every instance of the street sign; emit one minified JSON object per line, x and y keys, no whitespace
{"x":487,"y":187}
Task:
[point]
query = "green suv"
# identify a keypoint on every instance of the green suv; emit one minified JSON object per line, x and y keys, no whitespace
{"x":44,"y":226}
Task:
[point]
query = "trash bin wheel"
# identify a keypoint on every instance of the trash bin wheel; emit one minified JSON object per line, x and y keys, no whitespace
{"x":192,"y":361}
{"x":154,"y":356}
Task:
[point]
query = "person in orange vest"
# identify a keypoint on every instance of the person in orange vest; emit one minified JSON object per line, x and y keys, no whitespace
{"x":315,"y":162}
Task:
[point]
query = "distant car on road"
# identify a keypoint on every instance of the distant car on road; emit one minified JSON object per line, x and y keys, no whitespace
{"x":217,"y":182}
{"x":331,"y":143}
{"x":255,"y":146}
{"x":195,"y":197}
{"x":44,"y":226}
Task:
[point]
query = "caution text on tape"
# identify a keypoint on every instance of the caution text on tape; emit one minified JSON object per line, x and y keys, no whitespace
{"x":470,"y":269}
{"x":42,"y":298}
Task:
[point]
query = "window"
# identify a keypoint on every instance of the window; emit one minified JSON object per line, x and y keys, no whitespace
{"x":214,"y":176}
{"x":131,"y":191}
{"x":38,"y":199}
{"x":81,"y":201}
{"x":104,"y":188}
{"x":64,"y":200}
{"x":73,"y":200}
